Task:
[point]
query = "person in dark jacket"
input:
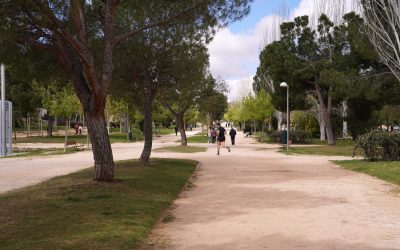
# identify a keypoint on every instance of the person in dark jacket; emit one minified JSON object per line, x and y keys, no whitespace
{"x":176,"y":130}
{"x":232,"y":133}
{"x":221,"y":138}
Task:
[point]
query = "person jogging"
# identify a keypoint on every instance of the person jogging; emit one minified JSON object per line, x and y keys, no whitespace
{"x":221,"y":138}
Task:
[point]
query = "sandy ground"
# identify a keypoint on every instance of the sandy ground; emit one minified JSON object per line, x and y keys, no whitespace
{"x":253,"y":198}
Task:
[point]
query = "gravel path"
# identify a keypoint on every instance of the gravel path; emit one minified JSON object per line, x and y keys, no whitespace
{"x":256,"y":198}
{"x":253,"y":198}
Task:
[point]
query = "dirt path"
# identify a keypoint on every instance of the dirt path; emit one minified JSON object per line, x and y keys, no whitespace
{"x":253,"y":198}
{"x":256,"y":198}
{"x":24,"y":171}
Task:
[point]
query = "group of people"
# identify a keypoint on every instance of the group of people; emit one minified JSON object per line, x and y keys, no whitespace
{"x":78,"y":129}
{"x":217,"y":134}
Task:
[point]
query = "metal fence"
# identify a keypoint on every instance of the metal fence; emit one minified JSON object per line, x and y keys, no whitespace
{"x":6,"y":129}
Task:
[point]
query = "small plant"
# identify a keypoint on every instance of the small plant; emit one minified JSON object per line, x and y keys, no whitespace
{"x":379,"y":145}
{"x":296,"y":136}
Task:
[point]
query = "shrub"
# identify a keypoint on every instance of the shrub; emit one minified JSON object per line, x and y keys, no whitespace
{"x":379,"y":145}
{"x":296,"y":136}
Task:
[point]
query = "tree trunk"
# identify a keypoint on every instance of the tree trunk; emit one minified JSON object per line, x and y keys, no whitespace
{"x":102,"y":152}
{"x":50,"y":127}
{"x":321,"y":123}
{"x":66,"y":135}
{"x":55,"y":125}
{"x":181,"y":126}
{"x":344,"y":116}
{"x":147,"y":129}
{"x":325,"y":114}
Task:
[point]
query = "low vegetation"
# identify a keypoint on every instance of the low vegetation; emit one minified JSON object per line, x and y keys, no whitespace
{"x":75,"y":212}
{"x":27,"y":152}
{"x":181,"y":149}
{"x":197,"y":139}
{"x":385,"y":170}
{"x":380,"y":145}
{"x":337,"y":150}
{"x":82,"y":139}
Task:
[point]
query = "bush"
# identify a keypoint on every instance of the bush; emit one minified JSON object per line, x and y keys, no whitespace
{"x":379,"y":145}
{"x":296,"y":136}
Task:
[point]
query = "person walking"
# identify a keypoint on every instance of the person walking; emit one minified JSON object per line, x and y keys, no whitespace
{"x":176,"y":130}
{"x":213,"y":135}
{"x":209,"y":134}
{"x":232,"y":133}
{"x":221,"y":138}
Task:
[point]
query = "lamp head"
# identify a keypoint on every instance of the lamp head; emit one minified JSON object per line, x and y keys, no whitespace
{"x":283,"y":85}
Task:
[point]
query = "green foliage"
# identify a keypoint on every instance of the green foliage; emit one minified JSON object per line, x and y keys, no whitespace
{"x":327,"y":150}
{"x":379,"y":145}
{"x":58,"y":100}
{"x":296,"y":136}
{"x":213,"y":102}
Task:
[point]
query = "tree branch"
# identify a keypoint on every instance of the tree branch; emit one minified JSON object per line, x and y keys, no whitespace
{"x":125,"y":36}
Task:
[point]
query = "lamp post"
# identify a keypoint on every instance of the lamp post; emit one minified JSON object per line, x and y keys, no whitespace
{"x":285,"y":85}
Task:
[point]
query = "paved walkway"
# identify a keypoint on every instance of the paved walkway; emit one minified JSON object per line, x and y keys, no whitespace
{"x":254,"y":198}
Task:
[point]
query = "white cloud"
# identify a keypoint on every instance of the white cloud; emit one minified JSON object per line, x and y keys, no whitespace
{"x":235,"y":56}
{"x":240,"y":88}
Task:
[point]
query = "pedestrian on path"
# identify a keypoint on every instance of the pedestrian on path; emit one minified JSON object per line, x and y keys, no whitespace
{"x":176,"y":130}
{"x":232,"y":133}
{"x":213,"y":135}
{"x":209,"y":132}
{"x":221,"y":138}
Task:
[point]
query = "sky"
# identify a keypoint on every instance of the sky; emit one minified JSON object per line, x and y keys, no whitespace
{"x":235,"y":49}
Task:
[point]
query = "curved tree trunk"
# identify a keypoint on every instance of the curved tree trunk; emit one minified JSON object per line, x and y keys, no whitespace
{"x":147,"y":129}
{"x":181,"y":126}
{"x":102,"y":152}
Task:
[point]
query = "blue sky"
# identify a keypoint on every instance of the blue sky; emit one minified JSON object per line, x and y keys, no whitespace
{"x":260,"y":9}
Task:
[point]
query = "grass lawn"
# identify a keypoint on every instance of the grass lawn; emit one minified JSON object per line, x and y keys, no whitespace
{"x":114,"y":137}
{"x":181,"y":149}
{"x":26,"y":152}
{"x":74,"y":212}
{"x":385,"y":170}
{"x":321,"y":150}
{"x":198,"y":139}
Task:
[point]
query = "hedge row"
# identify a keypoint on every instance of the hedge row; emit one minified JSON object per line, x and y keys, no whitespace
{"x":296,"y":136}
{"x":379,"y":145}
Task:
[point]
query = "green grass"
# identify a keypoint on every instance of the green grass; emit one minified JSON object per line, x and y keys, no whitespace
{"x":198,"y":139}
{"x":27,"y":152}
{"x":114,"y":137}
{"x":75,"y":212}
{"x":317,"y":141}
{"x":385,"y":170}
{"x":321,"y":150}
{"x":181,"y":149}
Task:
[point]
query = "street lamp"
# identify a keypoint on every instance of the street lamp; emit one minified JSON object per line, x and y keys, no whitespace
{"x":285,"y":85}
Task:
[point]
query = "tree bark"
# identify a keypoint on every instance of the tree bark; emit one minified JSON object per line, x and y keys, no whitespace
{"x":322,"y":128}
{"x":50,"y":127}
{"x":326,"y":113}
{"x":102,"y":152}
{"x":181,"y":126}
{"x":147,"y":128}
